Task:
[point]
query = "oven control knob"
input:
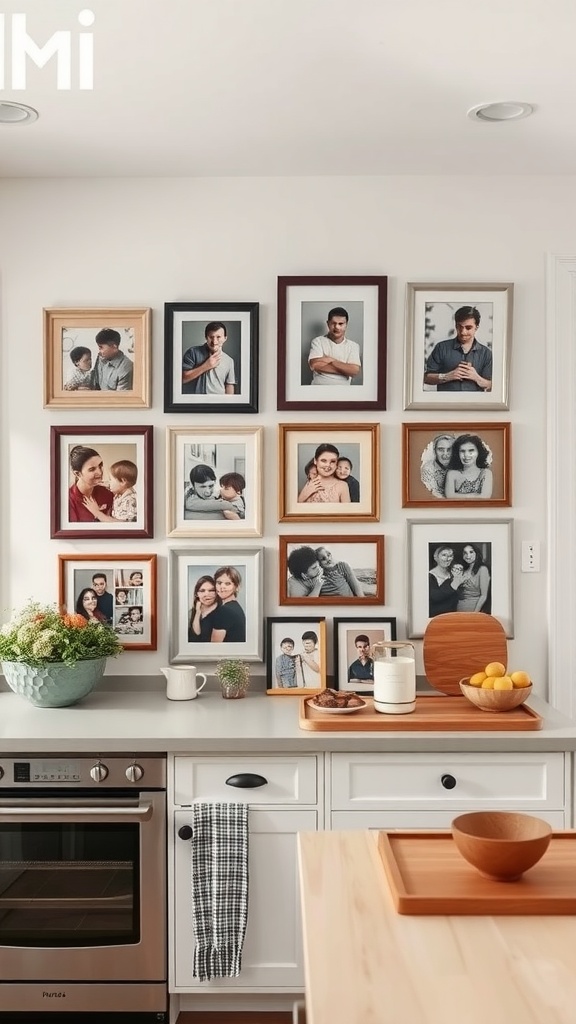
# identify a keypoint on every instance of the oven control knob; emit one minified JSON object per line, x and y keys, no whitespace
{"x":134,"y":772}
{"x":99,"y":772}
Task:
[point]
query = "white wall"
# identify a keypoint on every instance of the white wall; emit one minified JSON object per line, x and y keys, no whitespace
{"x":143,"y":242}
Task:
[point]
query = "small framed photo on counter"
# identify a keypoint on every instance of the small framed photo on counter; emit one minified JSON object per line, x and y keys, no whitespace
{"x":353,"y":643}
{"x":295,"y":655}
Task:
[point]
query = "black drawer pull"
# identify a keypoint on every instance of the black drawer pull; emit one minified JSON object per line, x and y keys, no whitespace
{"x":247,"y":780}
{"x":448,"y":781}
{"x":185,"y":832}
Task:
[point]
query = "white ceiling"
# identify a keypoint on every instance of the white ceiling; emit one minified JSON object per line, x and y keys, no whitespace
{"x":298,"y":87}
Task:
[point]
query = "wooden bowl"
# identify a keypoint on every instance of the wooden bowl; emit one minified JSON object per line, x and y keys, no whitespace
{"x":501,"y":844}
{"x":495,"y":700}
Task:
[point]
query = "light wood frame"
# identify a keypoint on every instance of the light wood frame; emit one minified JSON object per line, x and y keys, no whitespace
{"x":65,"y":329}
{"x":358,"y":442}
{"x":278,"y":629}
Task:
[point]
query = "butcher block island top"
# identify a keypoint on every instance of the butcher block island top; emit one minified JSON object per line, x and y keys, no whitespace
{"x":367,"y":964}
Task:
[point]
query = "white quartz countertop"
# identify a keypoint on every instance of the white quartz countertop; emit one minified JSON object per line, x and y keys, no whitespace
{"x":130,"y":721}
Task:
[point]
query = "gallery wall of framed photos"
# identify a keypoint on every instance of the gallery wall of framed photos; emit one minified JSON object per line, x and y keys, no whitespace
{"x":415,"y":461}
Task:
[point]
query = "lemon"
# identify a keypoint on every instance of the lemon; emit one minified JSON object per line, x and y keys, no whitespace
{"x":503,"y":683}
{"x":520,"y":679}
{"x":495,"y":668}
{"x":477,"y":679}
{"x":488,"y":683}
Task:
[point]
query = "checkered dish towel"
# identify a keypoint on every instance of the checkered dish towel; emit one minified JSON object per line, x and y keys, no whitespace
{"x":219,"y":887}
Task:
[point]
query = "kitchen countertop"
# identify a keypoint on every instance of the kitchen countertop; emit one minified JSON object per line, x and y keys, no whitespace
{"x":132,"y":721}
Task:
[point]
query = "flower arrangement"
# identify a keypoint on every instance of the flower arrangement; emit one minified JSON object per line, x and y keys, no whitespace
{"x":42,"y":634}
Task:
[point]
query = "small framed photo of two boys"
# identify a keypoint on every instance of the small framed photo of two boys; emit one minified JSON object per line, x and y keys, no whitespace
{"x":211,"y":357}
{"x":295,"y":656}
{"x":329,"y":473}
{"x":215,"y":604}
{"x":456,"y":465}
{"x":117,"y":590}
{"x":214,"y":482}
{"x":101,"y":480}
{"x":353,"y":643}
{"x":332,"y":570}
{"x":332,"y":343}
{"x":97,"y":358}
{"x":457,"y":346}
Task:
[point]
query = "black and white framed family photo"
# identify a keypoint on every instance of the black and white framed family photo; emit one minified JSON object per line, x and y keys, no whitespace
{"x":211,"y":357}
{"x":332,"y":570}
{"x":214,"y":482}
{"x":456,"y":465}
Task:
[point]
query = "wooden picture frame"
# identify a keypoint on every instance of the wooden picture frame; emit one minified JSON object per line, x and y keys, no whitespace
{"x":352,"y":574}
{"x":351,"y":639}
{"x":480,"y":578}
{"x":213,"y":474}
{"x":430,"y":321}
{"x":123,"y":584}
{"x":348,"y":460}
{"x":295,"y":656}
{"x":187,"y":568}
{"x":125,"y":454}
{"x":456,"y":465}
{"x":304,"y":305}
{"x":79,"y":373}
{"x":232,"y":386}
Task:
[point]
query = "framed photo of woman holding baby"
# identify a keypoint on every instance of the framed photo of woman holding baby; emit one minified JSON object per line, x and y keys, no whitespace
{"x":214,"y":482}
{"x":101,"y":482}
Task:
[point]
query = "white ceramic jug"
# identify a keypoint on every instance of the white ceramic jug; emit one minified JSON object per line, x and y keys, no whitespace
{"x":181,"y":682}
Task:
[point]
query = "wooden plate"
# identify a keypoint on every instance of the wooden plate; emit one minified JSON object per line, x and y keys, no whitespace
{"x":458,"y":644}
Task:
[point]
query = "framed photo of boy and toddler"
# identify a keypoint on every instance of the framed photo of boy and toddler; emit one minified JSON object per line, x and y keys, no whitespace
{"x":215,"y":598}
{"x":97,"y":358}
{"x":457,"y":566}
{"x":214,"y":482}
{"x":117,"y":590}
{"x":295,"y":656}
{"x":211,"y":357}
{"x":457,"y":346}
{"x":456,"y":465}
{"x":101,"y":482}
{"x":330,"y":473}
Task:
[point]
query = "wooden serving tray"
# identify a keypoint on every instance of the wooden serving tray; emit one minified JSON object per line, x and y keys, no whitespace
{"x":432,"y":714}
{"x":427,"y":875}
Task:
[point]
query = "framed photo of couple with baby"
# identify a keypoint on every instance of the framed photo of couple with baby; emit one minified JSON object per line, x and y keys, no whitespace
{"x":117,"y":590}
{"x":456,"y":465}
{"x":214,"y":482}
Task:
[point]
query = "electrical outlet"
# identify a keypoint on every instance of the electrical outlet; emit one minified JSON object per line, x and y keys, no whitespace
{"x":530,"y":556}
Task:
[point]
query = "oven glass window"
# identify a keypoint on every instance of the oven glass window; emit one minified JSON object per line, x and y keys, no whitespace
{"x":69,"y":884}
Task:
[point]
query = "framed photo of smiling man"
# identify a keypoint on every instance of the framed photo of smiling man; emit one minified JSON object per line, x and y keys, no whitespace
{"x":211,"y":357}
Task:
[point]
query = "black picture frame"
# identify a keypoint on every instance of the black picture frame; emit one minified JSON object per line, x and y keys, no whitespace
{"x":377,"y":629}
{"x":183,"y":332}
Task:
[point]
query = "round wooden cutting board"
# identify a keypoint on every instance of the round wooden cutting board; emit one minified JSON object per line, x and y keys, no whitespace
{"x":458,"y":644}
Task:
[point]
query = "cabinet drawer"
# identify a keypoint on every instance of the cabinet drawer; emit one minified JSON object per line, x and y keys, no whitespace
{"x":289,"y":780}
{"x":437,"y":781}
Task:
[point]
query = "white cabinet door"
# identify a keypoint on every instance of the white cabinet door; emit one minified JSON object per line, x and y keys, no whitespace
{"x":272,"y":956}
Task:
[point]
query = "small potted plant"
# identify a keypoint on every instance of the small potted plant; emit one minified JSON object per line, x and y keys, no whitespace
{"x":54,"y":658}
{"x":234,"y":677}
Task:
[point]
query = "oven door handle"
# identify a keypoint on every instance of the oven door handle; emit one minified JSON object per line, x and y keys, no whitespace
{"x":100,"y":815}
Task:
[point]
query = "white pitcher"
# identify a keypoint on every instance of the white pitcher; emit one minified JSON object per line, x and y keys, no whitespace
{"x":181,"y":682}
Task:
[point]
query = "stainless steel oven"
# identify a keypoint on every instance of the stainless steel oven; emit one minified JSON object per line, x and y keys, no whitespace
{"x":83,"y":889}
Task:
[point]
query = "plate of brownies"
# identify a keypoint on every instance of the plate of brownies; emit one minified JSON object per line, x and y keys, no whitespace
{"x":336,"y":702}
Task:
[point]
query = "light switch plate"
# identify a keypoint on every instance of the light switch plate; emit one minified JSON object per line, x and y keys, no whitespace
{"x":530,"y":556}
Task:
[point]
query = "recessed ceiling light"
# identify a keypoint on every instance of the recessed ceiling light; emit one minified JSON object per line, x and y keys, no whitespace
{"x":506,"y":110}
{"x":16,"y":113}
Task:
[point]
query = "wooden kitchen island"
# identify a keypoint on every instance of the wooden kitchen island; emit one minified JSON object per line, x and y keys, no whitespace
{"x":366,"y":964}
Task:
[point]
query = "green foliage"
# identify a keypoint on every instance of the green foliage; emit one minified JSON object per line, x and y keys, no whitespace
{"x":40,"y":634}
{"x":233,"y":673}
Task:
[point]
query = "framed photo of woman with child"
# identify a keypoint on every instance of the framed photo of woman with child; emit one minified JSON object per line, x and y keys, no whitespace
{"x":101,"y":482}
{"x":456,"y":465}
{"x":459,"y":566}
{"x":117,"y":590}
{"x":214,"y":482}
{"x":215,"y":604}
{"x":329,"y":473}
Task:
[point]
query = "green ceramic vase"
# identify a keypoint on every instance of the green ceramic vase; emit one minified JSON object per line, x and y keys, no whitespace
{"x":54,"y":685}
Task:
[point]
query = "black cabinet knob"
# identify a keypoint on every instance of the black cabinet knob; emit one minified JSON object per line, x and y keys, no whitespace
{"x":246,"y":780}
{"x":185,"y":832}
{"x":448,"y":781}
